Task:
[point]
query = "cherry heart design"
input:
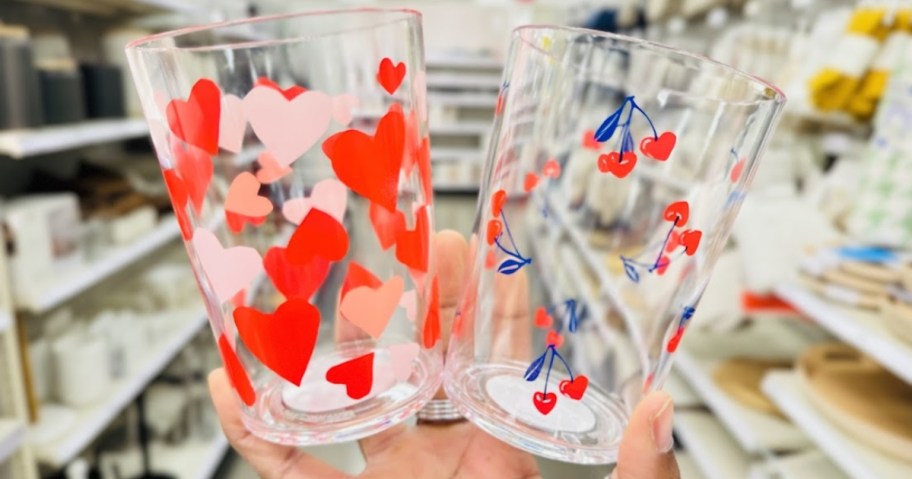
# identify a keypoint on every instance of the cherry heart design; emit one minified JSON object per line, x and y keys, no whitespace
{"x":675,"y":340}
{"x":294,"y":280}
{"x":386,"y":224}
{"x":412,"y":246}
{"x":288,"y":128}
{"x":369,"y":165}
{"x":178,"y":194}
{"x":542,"y":318}
{"x":357,"y":375}
{"x":554,"y":339}
{"x":431,"y":332}
{"x":358,"y":276}
{"x":270,"y":170}
{"x":289,"y":93}
{"x":530,"y":182}
{"x":552,"y":169}
{"x":243,"y":198}
{"x":691,"y":241}
{"x":589,"y":142}
{"x":236,"y":372}
{"x":736,"y":170}
{"x":390,"y":76}
{"x":318,"y":235}
{"x":617,"y":164}
{"x":401,"y":356}
{"x":371,"y":309}
{"x":659,"y":148}
{"x":329,"y":196}
{"x":498,"y":199}
{"x":342,"y":107}
{"x":576,"y":388}
{"x":495,"y":227}
{"x":195,"y":168}
{"x":677,"y":212}
{"x":232,"y":124}
{"x":196,"y":120}
{"x":237,"y":222}
{"x":284,"y":340}
{"x":228,"y":270}
{"x":674,"y":240}
{"x":664,"y":262}
{"x":499,"y":106}
{"x":544,"y":402}
{"x":490,"y":260}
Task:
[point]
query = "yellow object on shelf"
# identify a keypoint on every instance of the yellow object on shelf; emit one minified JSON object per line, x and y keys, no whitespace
{"x":869,"y":21}
{"x":831,"y":90}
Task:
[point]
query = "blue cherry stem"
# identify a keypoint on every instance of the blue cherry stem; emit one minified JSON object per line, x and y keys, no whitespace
{"x":658,"y":259}
{"x":508,"y":252}
{"x":633,"y":104}
{"x":550,"y":365}
{"x":566,"y":366}
{"x":510,"y":235}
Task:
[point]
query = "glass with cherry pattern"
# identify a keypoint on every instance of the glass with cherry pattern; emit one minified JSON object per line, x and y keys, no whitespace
{"x":297,"y":163}
{"x":615,"y":169}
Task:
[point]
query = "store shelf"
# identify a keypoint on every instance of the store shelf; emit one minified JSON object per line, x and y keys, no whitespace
{"x":476,"y":128}
{"x":20,"y":144}
{"x":456,"y":154}
{"x":688,"y":466}
{"x":12,"y":433}
{"x":191,"y":459}
{"x":468,"y":99}
{"x":714,"y":451}
{"x":457,"y":188}
{"x":811,"y":464}
{"x":455,"y":61}
{"x":69,"y":284}
{"x":92,"y":420}
{"x":463,"y":81}
{"x":861,"y":329}
{"x":855,"y":458}
{"x":683,"y":394}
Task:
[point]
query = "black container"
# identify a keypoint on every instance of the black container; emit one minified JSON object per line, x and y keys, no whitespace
{"x":64,"y":100}
{"x":103,"y":87}
{"x":20,"y":90}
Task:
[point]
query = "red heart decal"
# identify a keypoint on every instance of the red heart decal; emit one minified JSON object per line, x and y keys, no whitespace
{"x":490,"y":260}
{"x":554,"y":339}
{"x":196,"y":120}
{"x":495,"y":227}
{"x":542,"y":318}
{"x":617,"y":165}
{"x":195,"y":169}
{"x":544,"y":402}
{"x":294,"y":280}
{"x":284,"y":340}
{"x":589,"y":141}
{"x":498,"y":107}
{"x":497,"y":202}
{"x":576,"y":388}
{"x":243,"y":197}
{"x":178,"y":193}
{"x":424,"y":169}
{"x":531,"y":182}
{"x":552,"y":169}
{"x":431,"y":332}
{"x":691,"y":241}
{"x":412,"y":245}
{"x":386,"y":224}
{"x":237,"y":222}
{"x":369,"y":165}
{"x":737,"y":170}
{"x":659,"y":148}
{"x":664,"y":261}
{"x":290,"y":93}
{"x":677,"y":212}
{"x":319,"y":234}
{"x":675,"y":340}
{"x":236,"y":372}
{"x":357,"y":276}
{"x":357,"y":375}
{"x":674,"y":240}
{"x":390,"y":76}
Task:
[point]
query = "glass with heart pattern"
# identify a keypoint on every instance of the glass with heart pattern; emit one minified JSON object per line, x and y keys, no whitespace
{"x":615,"y":169}
{"x":295,"y":152}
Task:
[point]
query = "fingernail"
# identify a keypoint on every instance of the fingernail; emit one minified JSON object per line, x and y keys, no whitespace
{"x":662,"y":424}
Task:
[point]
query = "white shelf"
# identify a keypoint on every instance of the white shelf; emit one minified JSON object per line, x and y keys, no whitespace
{"x":462,"y":61}
{"x":20,"y":144}
{"x":477,"y":128}
{"x":714,"y":451}
{"x":467,"y":99}
{"x":811,"y":464}
{"x":861,"y":329}
{"x":463,"y":80}
{"x":683,"y":395}
{"x":70,"y":283}
{"x":442,"y":153}
{"x":191,"y":459}
{"x":12,"y":433}
{"x":857,"y":459}
{"x":92,"y":420}
{"x":688,"y":466}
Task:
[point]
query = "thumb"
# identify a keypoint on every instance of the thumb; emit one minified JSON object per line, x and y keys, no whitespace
{"x":646,"y":449}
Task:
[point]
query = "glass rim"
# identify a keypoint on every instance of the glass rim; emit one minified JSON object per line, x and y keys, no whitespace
{"x":777,"y":97}
{"x":144,"y":43}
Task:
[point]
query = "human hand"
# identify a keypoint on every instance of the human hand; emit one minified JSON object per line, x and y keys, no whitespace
{"x":458,"y":450}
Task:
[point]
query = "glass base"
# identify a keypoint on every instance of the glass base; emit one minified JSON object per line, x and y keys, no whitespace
{"x":496,"y":398}
{"x":318,"y":412}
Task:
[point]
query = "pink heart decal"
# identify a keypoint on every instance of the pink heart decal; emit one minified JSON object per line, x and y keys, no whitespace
{"x":342,"y":106}
{"x":232,"y":124}
{"x":228,"y":270}
{"x":329,"y":196}
{"x":371,"y":309}
{"x":243,"y":198}
{"x":270,"y":170}
{"x":288,"y":128}
{"x":409,"y":302}
{"x":402,"y":355}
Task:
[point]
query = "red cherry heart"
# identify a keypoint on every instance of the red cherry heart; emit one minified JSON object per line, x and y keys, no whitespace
{"x":236,"y":372}
{"x":659,"y":148}
{"x":737,"y":170}
{"x":386,"y":224}
{"x":674,"y":240}
{"x":178,"y":193}
{"x":554,"y":339}
{"x":294,"y":280}
{"x":589,"y":141}
{"x":531,"y":182}
{"x":691,"y":241}
{"x":494,"y":229}
{"x":431,"y":333}
{"x":369,"y":165}
{"x":576,"y":388}
{"x":497,"y":202}
{"x":390,"y":76}
{"x":412,"y":246}
{"x":357,"y":375}
{"x":319,"y":234}
{"x":542,"y":318}
{"x":290,"y":93}
{"x":284,"y":340}
{"x":664,"y":261}
{"x":195,"y":168}
{"x":498,"y":107}
{"x":357,"y":276}
{"x":675,"y":341}
{"x":237,"y":222}
{"x":616,"y":164}
{"x":544,"y":402}
{"x":196,"y":120}
{"x":552,"y":169}
{"x":490,"y":260}
{"x":677,"y":212}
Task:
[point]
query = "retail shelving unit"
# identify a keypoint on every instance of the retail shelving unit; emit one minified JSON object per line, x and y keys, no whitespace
{"x":190,"y":460}
{"x":811,"y":464}
{"x":21,"y":144}
{"x":713,"y":450}
{"x":12,"y":433}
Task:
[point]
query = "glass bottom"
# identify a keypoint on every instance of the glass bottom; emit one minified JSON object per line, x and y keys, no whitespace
{"x":318,"y":412}
{"x":496,"y":398}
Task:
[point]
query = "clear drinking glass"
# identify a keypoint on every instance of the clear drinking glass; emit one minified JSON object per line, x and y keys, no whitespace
{"x":615,"y":170}
{"x":296,"y":155}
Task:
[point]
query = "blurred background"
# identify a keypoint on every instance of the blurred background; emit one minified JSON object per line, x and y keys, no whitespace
{"x":797,"y":364}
